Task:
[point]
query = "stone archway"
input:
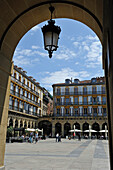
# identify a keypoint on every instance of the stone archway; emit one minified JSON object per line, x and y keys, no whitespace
{"x":46,"y":126}
{"x":67,"y":127}
{"x":58,"y":128}
{"x":77,"y":125}
{"x":23,"y":15}
{"x":103,"y":126}
{"x":96,"y":126}
{"x":11,"y":122}
{"x":85,"y":126}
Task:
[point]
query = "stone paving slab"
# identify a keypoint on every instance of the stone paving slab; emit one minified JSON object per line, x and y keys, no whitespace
{"x":65,"y":155}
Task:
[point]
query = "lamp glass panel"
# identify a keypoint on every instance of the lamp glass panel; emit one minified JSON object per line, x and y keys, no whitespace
{"x":48,"y":38}
{"x":55,"y":39}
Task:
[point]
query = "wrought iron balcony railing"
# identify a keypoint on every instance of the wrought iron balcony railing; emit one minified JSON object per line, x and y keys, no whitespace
{"x":23,"y":97}
{"x":22,"y":84}
{"x":80,"y":115}
{"x":22,"y":110}
{"x":79,"y":103}
{"x":80,"y":93}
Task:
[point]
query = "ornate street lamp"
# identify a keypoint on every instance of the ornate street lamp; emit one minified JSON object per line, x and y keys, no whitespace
{"x":51,"y":34}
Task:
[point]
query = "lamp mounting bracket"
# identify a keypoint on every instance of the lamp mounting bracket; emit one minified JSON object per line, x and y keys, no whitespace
{"x":51,"y":8}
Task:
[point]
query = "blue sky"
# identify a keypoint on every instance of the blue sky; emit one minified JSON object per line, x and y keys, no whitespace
{"x":79,"y":54}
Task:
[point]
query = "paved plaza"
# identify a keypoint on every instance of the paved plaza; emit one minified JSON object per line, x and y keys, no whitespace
{"x":65,"y":155}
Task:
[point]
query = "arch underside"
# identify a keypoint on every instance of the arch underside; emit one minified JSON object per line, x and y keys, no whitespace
{"x":26,"y":14}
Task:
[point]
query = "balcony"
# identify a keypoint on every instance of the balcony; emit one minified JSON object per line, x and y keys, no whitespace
{"x":80,"y":115}
{"x":80,"y":103}
{"x":22,"y":84}
{"x":22,"y":110}
{"x":80,"y":93}
{"x":24,"y":98}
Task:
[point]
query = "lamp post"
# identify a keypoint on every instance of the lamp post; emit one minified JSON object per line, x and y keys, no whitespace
{"x":105,"y":132}
{"x":89,"y":131}
{"x":51,"y":34}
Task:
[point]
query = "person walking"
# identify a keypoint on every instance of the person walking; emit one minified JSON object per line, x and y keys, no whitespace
{"x":36,"y":137}
{"x":57,"y":136}
{"x":31,"y":137}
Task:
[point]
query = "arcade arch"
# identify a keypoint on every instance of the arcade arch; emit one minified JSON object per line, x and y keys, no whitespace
{"x":67,"y":127}
{"x":24,"y":15}
{"x":85,"y":126}
{"x":58,"y":128}
{"x":46,"y":126}
{"x":77,"y":125}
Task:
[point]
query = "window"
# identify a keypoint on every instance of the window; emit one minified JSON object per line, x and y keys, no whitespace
{"x":58,"y":100}
{"x":16,"y":103}
{"x":12,"y":87}
{"x":76,"y":111}
{"x":29,"y":96}
{"x":94,"y":100}
{"x":85,"y":110}
{"x":104,"y":111}
{"x":67,"y":101}
{"x":103,"y":90}
{"x":94,"y":90}
{"x":67,"y":91}
{"x":76,"y":100}
{"x":10,"y":101}
{"x":25,"y":93}
{"x":85,"y":100}
{"x":32,"y":97}
{"x":58,"y":91}
{"x":85,"y":90}
{"x":25,"y":106}
{"x":21,"y":91}
{"x":67,"y":111}
{"x":76,"y":90}
{"x":58,"y":111}
{"x":94,"y":111}
{"x":103,"y":100}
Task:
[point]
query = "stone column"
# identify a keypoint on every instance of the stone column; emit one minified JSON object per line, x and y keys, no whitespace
{"x":14,"y":123}
{"x":34,"y":125}
{"x":30,"y":124}
{"x":53,"y":130}
{"x":18,"y":127}
{"x":23,"y":122}
{"x":27,"y":124}
{"x":5,"y":72}
{"x":8,"y":121}
{"x":62,"y":129}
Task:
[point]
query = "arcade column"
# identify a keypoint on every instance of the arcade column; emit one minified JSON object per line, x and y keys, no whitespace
{"x":5,"y":73}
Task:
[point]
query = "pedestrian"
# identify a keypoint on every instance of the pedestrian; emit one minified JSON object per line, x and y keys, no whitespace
{"x":57,"y":136}
{"x":31,"y":137}
{"x":74,"y":135}
{"x":79,"y":137}
{"x":36,"y":137}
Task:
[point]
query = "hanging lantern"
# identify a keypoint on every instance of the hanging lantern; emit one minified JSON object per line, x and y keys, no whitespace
{"x":51,"y":34}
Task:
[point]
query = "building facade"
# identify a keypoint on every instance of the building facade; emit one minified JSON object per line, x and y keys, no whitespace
{"x":47,"y":103}
{"x":79,"y":103}
{"x":26,"y":100}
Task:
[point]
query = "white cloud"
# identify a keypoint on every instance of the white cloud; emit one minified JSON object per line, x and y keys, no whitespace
{"x":26,"y":52}
{"x":31,"y":55}
{"x":35,"y":28}
{"x":76,"y":44}
{"x":76,"y":63}
{"x":91,"y":47}
{"x":65,"y":54}
{"x":86,"y":48}
{"x":60,"y":76}
{"x":35,"y":47}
